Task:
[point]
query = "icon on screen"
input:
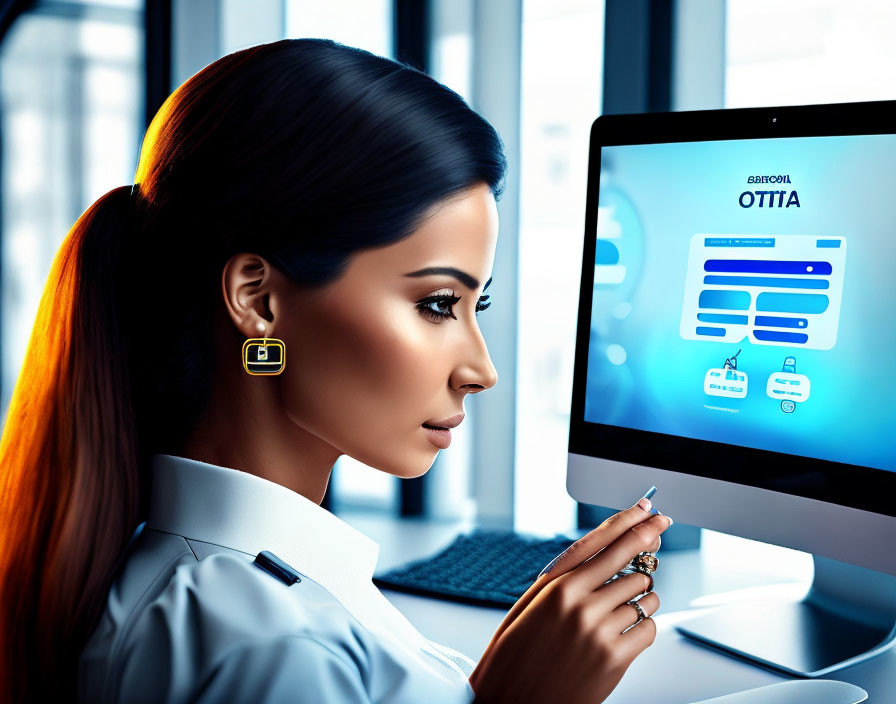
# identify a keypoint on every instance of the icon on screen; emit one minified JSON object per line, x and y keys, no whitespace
{"x":788,"y":386}
{"x":726,"y":380}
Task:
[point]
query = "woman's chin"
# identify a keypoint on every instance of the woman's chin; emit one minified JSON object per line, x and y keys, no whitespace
{"x":418,"y":468}
{"x":414,"y":463}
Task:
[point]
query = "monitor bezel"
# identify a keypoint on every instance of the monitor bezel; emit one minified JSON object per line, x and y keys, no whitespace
{"x":856,"y":486}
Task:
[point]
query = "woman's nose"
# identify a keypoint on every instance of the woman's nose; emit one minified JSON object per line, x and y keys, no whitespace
{"x":475,"y":374}
{"x":490,"y":374}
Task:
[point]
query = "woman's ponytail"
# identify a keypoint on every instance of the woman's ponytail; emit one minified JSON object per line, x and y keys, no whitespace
{"x":69,"y":488}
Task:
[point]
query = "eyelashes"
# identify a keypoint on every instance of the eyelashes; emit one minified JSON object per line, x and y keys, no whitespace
{"x":437,"y":308}
{"x":433,"y":307}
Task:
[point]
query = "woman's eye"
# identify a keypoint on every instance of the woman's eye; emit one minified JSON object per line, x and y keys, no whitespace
{"x":438,"y":307}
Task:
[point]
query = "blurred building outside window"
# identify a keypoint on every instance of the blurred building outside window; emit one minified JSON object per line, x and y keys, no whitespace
{"x":71,"y":114}
{"x":562,"y":68}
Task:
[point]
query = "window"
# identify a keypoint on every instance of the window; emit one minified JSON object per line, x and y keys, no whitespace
{"x":808,"y":51}
{"x":366,"y":24}
{"x":71,"y":102}
{"x":562,"y":66}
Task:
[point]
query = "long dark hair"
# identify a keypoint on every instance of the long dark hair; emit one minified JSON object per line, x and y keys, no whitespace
{"x":303,"y":151}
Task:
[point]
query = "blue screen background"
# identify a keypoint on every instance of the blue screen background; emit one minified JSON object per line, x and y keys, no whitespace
{"x":643,"y":375}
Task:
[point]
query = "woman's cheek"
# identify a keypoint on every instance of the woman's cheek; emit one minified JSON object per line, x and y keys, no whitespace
{"x":370,"y":374}
{"x":397,"y":344}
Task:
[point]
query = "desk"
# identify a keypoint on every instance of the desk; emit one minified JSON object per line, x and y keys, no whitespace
{"x":725,"y":569}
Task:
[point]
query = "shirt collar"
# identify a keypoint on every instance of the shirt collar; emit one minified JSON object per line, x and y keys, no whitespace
{"x":241,"y":511}
{"x":244,"y":512}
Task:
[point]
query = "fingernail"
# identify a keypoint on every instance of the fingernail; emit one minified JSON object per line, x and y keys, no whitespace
{"x":550,"y":565}
{"x":644,"y":501}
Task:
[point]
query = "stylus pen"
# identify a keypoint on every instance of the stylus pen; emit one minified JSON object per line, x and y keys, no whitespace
{"x":650,"y":492}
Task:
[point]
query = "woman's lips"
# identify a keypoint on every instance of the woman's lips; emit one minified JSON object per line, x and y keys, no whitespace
{"x":451,"y":422}
{"x":439,"y":438}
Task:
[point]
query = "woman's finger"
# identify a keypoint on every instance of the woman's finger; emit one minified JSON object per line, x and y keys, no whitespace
{"x":581,"y":550}
{"x":621,"y":590}
{"x":615,"y":556}
{"x":596,"y":540}
{"x":626,"y":615}
{"x":636,"y":639}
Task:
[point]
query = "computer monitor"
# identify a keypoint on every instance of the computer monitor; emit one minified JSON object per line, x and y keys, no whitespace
{"x":736,"y":347}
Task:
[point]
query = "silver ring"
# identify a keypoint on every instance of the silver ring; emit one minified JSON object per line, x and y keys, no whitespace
{"x":641,"y":614}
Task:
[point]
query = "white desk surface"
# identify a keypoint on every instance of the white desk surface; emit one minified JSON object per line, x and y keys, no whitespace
{"x":674,"y":670}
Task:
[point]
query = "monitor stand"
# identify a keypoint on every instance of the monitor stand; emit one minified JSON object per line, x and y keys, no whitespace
{"x":848,"y":615}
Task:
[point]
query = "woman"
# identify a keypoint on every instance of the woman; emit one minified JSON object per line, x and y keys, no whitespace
{"x":328,"y":216}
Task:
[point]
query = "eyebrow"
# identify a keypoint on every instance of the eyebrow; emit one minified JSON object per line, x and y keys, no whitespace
{"x":470,"y":282}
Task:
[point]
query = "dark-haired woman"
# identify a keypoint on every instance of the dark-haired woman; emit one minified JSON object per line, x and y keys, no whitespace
{"x":324,"y":217}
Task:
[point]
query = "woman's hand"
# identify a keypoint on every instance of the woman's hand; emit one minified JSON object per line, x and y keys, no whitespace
{"x":563,"y":641}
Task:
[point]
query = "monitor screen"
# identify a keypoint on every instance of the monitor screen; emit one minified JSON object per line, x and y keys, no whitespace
{"x":744,"y":292}
{"x":734,"y":312}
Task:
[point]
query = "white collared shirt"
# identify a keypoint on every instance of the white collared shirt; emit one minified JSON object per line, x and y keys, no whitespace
{"x":191,"y":618}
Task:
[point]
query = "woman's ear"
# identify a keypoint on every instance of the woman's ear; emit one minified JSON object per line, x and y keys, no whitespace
{"x":252,"y":289}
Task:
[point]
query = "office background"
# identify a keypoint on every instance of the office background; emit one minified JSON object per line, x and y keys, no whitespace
{"x":80,"y":79}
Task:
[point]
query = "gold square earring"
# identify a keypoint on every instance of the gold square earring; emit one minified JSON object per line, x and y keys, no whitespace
{"x":264,"y":356}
